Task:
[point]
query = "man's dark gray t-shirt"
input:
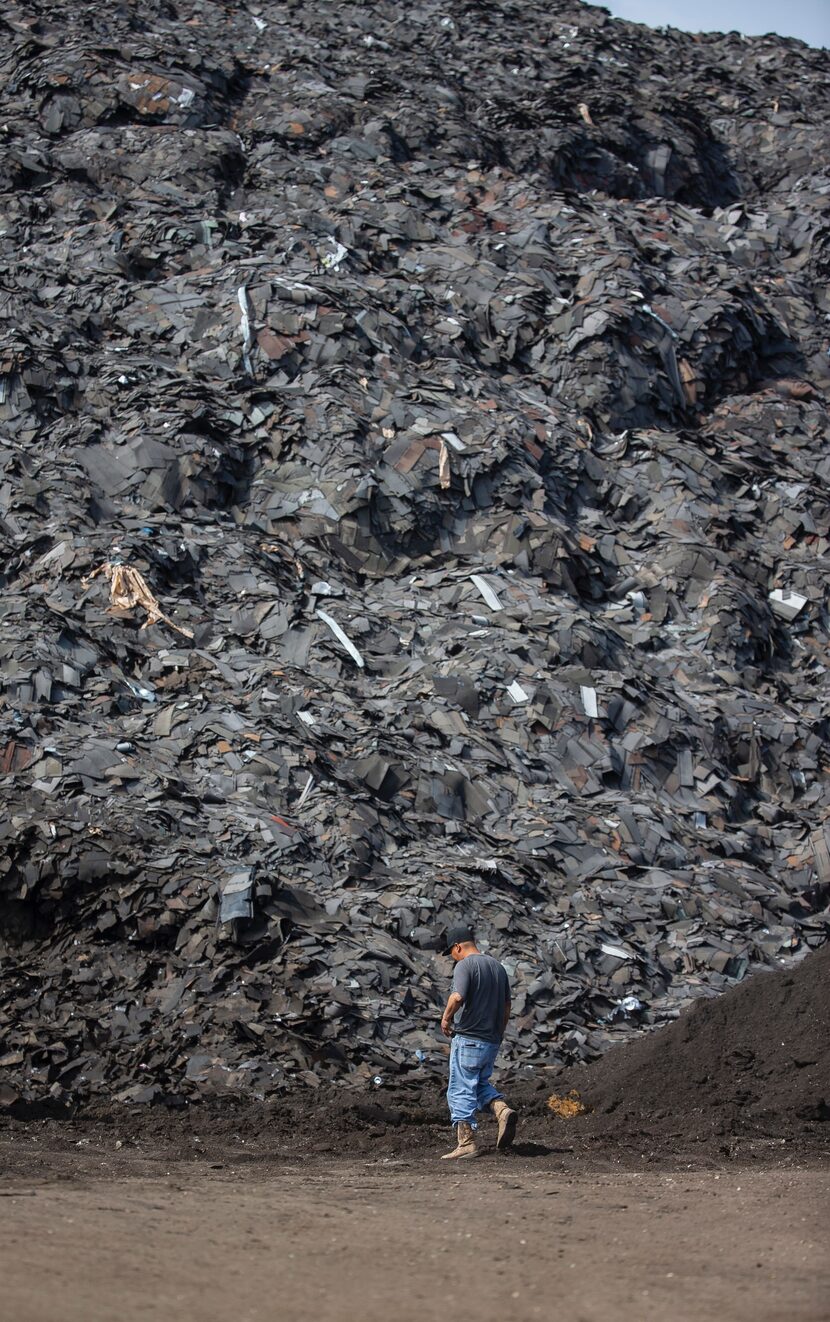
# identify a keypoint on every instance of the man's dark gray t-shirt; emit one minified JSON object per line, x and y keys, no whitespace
{"x":485,"y":987}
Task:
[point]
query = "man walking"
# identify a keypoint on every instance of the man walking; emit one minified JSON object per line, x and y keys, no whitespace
{"x":475,"y":1018}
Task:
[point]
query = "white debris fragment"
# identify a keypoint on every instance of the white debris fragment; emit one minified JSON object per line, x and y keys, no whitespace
{"x":785,"y":603}
{"x":309,"y":786}
{"x":617,"y":951}
{"x":242,"y":299}
{"x":453,"y":440}
{"x":341,"y":637}
{"x":517,"y":693}
{"x":589,"y":701}
{"x":334,"y":259}
{"x":486,"y":591}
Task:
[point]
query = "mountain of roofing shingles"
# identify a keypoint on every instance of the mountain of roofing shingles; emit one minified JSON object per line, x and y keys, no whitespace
{"x":413,"y":505}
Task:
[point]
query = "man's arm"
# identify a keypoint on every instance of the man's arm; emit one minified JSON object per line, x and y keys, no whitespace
{"x":506,"y":1015}
{"x":451,"y":1009}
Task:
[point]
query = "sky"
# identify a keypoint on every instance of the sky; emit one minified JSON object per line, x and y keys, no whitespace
{"x":807,"y":19}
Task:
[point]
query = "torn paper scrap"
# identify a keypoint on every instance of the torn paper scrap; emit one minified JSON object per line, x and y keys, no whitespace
{"x":129,"y":589}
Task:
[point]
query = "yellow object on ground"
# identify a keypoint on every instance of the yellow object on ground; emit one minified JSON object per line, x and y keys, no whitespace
{"x":567,"y":1107}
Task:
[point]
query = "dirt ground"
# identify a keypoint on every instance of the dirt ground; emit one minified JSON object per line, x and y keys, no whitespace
{"x":100,"y":1228}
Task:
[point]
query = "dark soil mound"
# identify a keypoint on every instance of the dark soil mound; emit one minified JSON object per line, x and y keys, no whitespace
{"x":754,"y":1061}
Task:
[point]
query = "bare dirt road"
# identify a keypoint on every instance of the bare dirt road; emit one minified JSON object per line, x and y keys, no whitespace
{"x":99,"y":1236}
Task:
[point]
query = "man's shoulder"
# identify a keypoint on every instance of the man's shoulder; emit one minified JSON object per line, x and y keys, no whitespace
{"x":491,"y":963}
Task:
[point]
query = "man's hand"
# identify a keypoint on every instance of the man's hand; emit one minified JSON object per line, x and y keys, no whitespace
{"x":453,"y":1004}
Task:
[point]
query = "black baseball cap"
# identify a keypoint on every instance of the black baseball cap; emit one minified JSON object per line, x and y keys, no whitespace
{"x":453,"y":935}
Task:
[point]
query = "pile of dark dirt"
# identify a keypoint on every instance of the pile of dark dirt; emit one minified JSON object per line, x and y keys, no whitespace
{"x":752,"y":1062}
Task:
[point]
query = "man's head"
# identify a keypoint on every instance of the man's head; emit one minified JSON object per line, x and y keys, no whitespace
{"x":458,"y":942}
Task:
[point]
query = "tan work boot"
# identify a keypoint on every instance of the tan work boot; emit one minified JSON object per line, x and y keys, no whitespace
{"x":466,"y":1144}
{"x":507,"y":1120}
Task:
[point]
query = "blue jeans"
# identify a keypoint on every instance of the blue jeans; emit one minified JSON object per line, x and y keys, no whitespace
{"x":470,"y":1089}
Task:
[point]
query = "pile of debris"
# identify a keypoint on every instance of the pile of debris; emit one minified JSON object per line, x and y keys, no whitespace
{"x":413,"y":432}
